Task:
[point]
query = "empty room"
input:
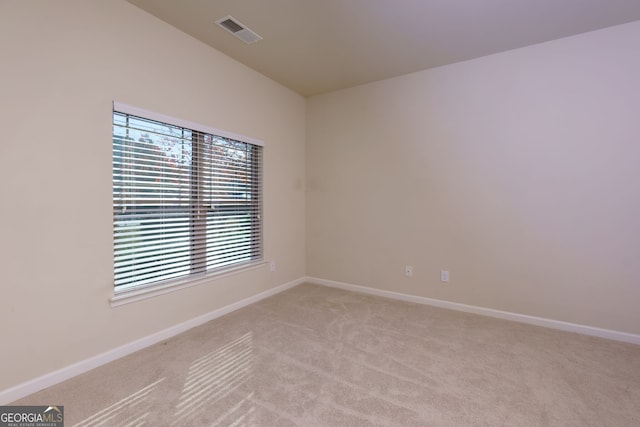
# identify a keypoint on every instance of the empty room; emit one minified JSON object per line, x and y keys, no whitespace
{"x":320,"y":213}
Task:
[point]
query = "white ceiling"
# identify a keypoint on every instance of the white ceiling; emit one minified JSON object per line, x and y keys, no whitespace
{"x":316,"y":46}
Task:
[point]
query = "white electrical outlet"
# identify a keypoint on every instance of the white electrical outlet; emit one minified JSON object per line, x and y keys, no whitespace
{"x":444,"y":276}
{"x":408,"y":270}
{"x":272,"y":266}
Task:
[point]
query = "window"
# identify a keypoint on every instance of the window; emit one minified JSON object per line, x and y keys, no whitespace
{"x":187,"y":200}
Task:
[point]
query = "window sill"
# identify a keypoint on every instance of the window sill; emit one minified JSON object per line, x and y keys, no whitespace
{"x":150,"y":291}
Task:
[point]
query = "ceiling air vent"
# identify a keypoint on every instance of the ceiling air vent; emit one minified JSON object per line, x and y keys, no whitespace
{"x":232,"y":25}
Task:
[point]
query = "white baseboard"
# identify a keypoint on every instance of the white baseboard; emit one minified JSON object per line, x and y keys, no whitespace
{"x":47,"y":380}
{"x":522,"y":318}
{"x":52,"y":378}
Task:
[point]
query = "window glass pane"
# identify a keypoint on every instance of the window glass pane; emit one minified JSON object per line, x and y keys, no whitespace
{"x":231,"y":221}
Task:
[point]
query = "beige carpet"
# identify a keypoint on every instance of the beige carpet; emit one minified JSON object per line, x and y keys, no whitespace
{"x":317,"y":356}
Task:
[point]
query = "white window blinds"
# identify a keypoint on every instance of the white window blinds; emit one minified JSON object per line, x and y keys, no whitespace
{"x":185,"y":201}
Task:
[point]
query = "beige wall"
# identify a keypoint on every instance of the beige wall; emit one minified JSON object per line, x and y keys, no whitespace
{"x":62,"y":64}
{"x":517,"y":172}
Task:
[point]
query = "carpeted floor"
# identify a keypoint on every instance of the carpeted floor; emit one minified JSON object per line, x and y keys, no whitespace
{"x":318,"y":356}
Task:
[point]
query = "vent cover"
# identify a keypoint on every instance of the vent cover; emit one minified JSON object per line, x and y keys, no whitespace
{"x":239,"y":30}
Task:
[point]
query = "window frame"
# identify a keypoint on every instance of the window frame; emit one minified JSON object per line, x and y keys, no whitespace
{"x":142,"y":291}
